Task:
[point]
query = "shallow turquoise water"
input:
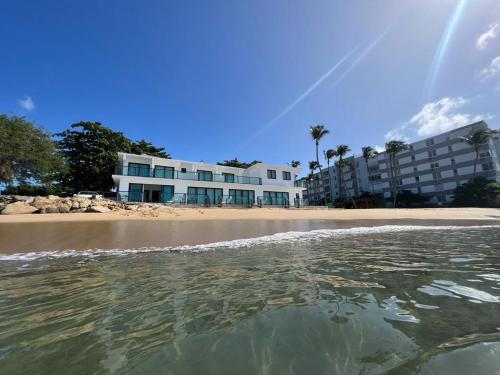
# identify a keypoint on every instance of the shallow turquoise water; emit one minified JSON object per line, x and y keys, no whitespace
{"x":415,"y":301}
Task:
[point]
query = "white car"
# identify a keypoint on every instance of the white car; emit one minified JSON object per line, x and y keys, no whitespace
{"x":89,"y":194}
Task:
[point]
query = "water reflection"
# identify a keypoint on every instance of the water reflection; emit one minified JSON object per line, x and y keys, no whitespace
{"x":374,"y":303}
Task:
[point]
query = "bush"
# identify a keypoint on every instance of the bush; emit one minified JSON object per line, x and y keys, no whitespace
{"x":479,"y":192}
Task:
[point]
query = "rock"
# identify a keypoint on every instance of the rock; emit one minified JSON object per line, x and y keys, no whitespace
{"x":100,"y":209}
{"x":81,"y":201}
{"x":50,"y":210}
{"x":77,"y":210}
{"x":22,"y":198}
{"x":52,"y":197}
{"x":63,"y":209}
{"x":18,"y":208}
{"x":43,"y":202}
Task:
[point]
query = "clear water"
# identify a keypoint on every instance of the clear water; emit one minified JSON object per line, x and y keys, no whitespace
{"x":397,"y":301}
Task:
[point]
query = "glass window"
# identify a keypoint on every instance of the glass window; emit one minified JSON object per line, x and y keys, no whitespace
{"x":135,"y":193}
{"x":228,"y":177}
{"x":287,"y":176}
{"x":241,"y":196}
{"x":163,"y":172}
{"x":167,"y":193}
{"x":205,"y":176}
{"x":200,"y":195}
{"x":275,"y":198}
{"x":137,"y":169}
{"x":271,"y":174}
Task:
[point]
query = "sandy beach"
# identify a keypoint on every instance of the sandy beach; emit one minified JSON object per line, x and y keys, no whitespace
{"x":215,"y":213}
{"x":166,"y":227}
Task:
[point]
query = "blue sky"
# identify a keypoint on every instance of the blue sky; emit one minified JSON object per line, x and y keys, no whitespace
{"x":211,"y":80}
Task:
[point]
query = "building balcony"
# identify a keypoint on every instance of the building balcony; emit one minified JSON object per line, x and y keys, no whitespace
{"x":192,"y":176}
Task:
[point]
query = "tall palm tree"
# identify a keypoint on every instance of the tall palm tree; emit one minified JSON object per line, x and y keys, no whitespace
{"x":313,"y":165}
{"x":317,"y":132}
{"x":342,"y":150}
{"x":329,"y":154}
{"x":476,"y":138}
{"x":393,"y":148}
{"x":295,"y":163}
{"x":369,"y":153}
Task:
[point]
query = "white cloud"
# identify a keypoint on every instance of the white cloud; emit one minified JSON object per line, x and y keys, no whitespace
{"x":485,"y":38}
{"x":434,"y":118}
{"x":27,"y":103}
{"x":492,"y":69}
{"x":379,"y":148}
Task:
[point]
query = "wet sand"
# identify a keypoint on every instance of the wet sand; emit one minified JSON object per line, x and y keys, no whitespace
{"x":47,"y":235}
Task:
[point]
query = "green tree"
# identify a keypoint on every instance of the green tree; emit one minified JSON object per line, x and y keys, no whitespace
{"x":476,"y":138}
{"x":144,"y":147}
{"x":295,"y":163}
{"x":478,"y":192}
{"x":27,"y":152}
{"x":238,"y":164}
{"x":317,"y":133}
{"x":392,"y":148}
{"x":91,"y":153}
{"x":329,"y":154}
{"x":342,"y":150}
{"x":368,"y":153}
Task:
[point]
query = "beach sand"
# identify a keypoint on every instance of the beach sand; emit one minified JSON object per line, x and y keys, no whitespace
{"x":167,"y":227}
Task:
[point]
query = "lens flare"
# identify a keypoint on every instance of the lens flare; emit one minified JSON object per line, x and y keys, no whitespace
{"x":443,"y":46}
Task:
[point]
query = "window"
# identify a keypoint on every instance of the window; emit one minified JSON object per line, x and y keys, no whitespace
{"x":271,"y":174}
{"x":429,"y":142}
{"x":228,"y":177}
{"x":455,"y":173}
{"x":199,"y":195}
{"x":452,"y":161}
{"x":135,"y":192}
{"x":431,"y":153}
{"x":183,"y":170}
{"x":240,"y":196}
{"x":413,"y":158}
{"x":417,"y":178}
{"x":487,"y":166}
{"x":163,"y":172}
{"x":450,"y":149}
{"x":137,"y":169}
{"x":275,"y":198}
{"x":205,"y":176}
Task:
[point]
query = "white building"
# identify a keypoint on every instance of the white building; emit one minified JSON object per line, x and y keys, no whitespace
{"x":432,"y":167}
{"x":144,"y":178}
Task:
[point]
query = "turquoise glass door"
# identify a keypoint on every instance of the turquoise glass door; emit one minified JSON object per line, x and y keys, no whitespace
{"x":135,"y":193}
{"x":167,"y":193}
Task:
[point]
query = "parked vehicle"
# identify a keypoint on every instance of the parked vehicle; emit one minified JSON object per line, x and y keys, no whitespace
{"x":89,"y":194}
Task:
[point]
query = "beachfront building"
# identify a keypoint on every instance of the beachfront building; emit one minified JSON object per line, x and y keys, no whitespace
{"x":432,"y":167}
{"x":144,"y":178}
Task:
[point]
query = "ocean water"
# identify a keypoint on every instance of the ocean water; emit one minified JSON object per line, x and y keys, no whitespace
{"x":392,"y":299}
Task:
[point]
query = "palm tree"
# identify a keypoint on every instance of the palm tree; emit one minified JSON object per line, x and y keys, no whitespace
{"x":476,"y":138}
{"x":393,"y":148}
{"x":329,"y":154}
{"x":369,"y":153}
{"x":313,"y":165}
{"x":295,"y":163}
{"x":342,"y":150}
{"x":317,"y":132}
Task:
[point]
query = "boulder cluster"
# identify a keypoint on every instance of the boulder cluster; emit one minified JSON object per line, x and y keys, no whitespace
{"x":15,"y":204}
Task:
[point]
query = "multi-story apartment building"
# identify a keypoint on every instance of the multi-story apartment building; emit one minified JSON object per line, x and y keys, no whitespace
{"x":144,"y":178}
{"x":432,"y":167}
{"x":435,"y":166}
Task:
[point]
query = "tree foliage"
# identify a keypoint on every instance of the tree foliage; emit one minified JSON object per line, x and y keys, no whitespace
{"x":295,"y":163}
{"x":238,"y":164}
{"x":479,"y":192}
{"x":91,"y":153}
{"x":27,"y":152}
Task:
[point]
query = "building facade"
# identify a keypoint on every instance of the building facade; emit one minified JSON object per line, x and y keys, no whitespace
{"x":432,"y":167}
{"x":144,"y":178}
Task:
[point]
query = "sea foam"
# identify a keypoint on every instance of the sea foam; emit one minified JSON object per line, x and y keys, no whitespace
{"x":277,"y":238}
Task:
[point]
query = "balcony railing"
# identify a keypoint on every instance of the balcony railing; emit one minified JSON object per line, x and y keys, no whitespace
{"x":193,"y":176}
{"x":183,"y":198}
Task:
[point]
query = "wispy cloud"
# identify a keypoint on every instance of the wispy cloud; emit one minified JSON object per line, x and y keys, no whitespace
{"x":434,"y":118}
{"x":485,"y":38}
{"x":491,"y":70}
{"x":27,"y":103}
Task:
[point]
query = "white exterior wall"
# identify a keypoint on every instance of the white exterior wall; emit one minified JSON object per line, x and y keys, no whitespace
{"x":181,"y":186}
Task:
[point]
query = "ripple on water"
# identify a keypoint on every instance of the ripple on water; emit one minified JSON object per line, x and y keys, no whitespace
{"x":452,"y":289}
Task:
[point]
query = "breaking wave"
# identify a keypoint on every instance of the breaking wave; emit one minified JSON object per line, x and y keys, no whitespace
{"x":278,"y":238}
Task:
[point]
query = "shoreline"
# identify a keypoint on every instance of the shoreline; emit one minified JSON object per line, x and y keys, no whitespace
{"x":50,"y":232}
